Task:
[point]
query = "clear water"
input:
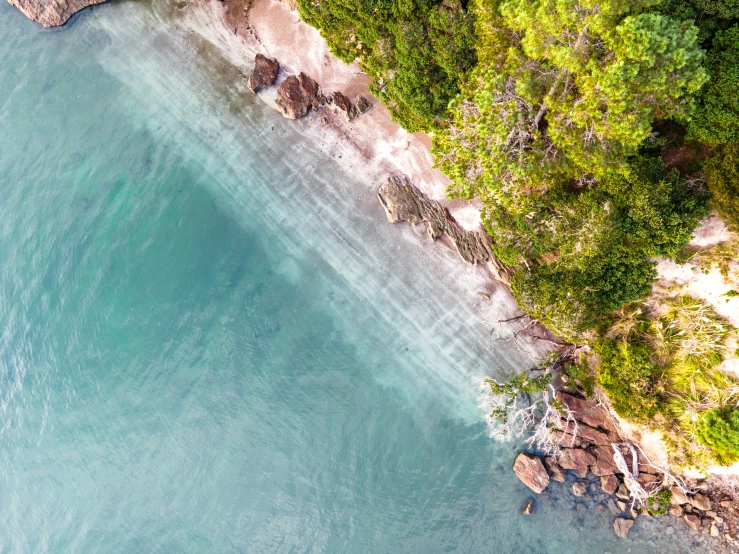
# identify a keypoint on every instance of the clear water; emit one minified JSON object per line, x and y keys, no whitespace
{"x":210,"y":338}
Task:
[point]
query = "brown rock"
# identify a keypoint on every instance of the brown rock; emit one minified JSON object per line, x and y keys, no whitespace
{"x":296,"y":95}
{"x":579,"y":488}
{"x":404,"y":202}
{"x":678,"y":497}
{"x":581,"y":472}
{"x":714,"y":531}
{"x":622,"y":526}
{"x":264,"y":73}
{"x":609,"y":483}
{"x":531,"y":471}
{"x":555,"y":472}
{"x":700,"y":502}
{"x":363,"y":105}
{"x":575,"y":458}
{"x":727,"y":503}
{"x":612,"y":507}
{"x":52,"y":13}
{"x":588,"y":412}
{"x":585,"y":432}
{"x":604,"y":465}
{"x":693,"y":521}
{"x":567,"y":440}
{"x":529,"y":508}
{"x":621,"y":505}
{"x":648,"y":481}
{"x":676,"y":511}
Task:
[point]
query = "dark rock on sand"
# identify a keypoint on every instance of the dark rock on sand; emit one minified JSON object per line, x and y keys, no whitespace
{"x":52,"y":13}
{"x":531,"y":471}
{"x":622,"y":526}
{"x":264,"y":73}
{"x":404,"y":202}
{"x":296,"y":95}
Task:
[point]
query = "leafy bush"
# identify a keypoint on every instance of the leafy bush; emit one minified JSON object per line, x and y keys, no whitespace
{"x":722,"y":176}
{"x":718,"y":429}
{"x":716,"y":121}
{"x":630,"y":379}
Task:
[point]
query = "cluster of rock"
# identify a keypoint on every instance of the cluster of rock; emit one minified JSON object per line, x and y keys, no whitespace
{"x":298,"y":94}
{"x":52,"y":13}
{"x":405,"y":202}
{"x":590,"y":449}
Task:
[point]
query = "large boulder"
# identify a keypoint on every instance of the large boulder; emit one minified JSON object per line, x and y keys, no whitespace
{"x":296,"y":95}
{"x":622,"y":526}
{"x":531,"y":471}
{"x":678,"y":497}
{"x":264,"y":73}
{"x":52,"y":13}
{"x":609,"y":483}
{"x":604,"y":463}
{"x":700,"y":502}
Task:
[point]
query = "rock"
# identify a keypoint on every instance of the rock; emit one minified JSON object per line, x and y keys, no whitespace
{"x":622,"y":492}
{"x":264,"y":73}
{"x":296,"y":95}
{"x":52,"y":13}
{"x":612,"y":507}
{"x":531,"y":471}
{"x":404,"y":202}
{"x":344,"y":105}
{"x":648,"y":481}
{"x":586,"y":432}
{"x":711,"y":514}
{"x":604,"y":464}
{"x":363,"y":105}
{"x":567,"y":440}
{"x":556,"y":472}
{"x":727,"y":503}
{"x":581,"y":472}
{"x":622,"y":526}
{"x":693,"y":521}
{"x":581,"y":508}
{"x":609,"y":483}
{"x":588,"y":412}
{"x":579,"y":488}
{"x":700,"y":502}
{"x":575,"y":458}
{"x":621,"y":505}
{"x":529,"y":508}
{"x":676,"y":511}
{"x":714,"y":531}
{"x":678,"y":497}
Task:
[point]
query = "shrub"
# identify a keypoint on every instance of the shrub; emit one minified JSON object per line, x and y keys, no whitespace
{"x":718,"y":429}
{"x":629,"y":378}
{"x":722,"y":176}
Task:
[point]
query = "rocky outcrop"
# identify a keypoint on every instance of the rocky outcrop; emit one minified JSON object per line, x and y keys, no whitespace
{"x":575,"y":458}
{"x":609,"y":483}
{"x":531,"y":471}
{"x":556,"y":472}
{"x":297,"y":95}
{"x":52,"y":13}
{"x":589,"y":413}
{"x":264,"y":73}
{"x":404,"y":202}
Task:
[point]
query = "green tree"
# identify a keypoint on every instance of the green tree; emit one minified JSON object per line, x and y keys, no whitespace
{"x":722,"y":176}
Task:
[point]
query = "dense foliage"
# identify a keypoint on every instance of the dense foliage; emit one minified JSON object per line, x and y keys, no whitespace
{"x":722,"y":176}
{"x":415,"y":50}
{"x":719,"y":430}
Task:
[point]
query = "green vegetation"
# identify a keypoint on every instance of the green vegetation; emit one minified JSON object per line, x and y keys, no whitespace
{"x":719,"y":430}
{"x":722,"y":176}
{"x":596,"y":133}
{"x":416,"y":51}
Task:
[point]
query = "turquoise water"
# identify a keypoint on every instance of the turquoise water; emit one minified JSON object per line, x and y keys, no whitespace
{"x":210,"y":338}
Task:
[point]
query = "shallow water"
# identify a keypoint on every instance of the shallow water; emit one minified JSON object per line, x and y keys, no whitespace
{"x":210,"y":338}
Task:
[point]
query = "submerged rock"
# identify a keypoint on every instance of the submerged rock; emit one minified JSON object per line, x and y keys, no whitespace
{"x":579,"y":488}
{"x":529,"y":508}
{"x":264,"y":73}
{"x":622,"y":526}
{"x":52,"y":13}
{"x":531,"y":471}
{"x":296,"y":95}
{"x":404,"y":202}
{"x":609,"y":483}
